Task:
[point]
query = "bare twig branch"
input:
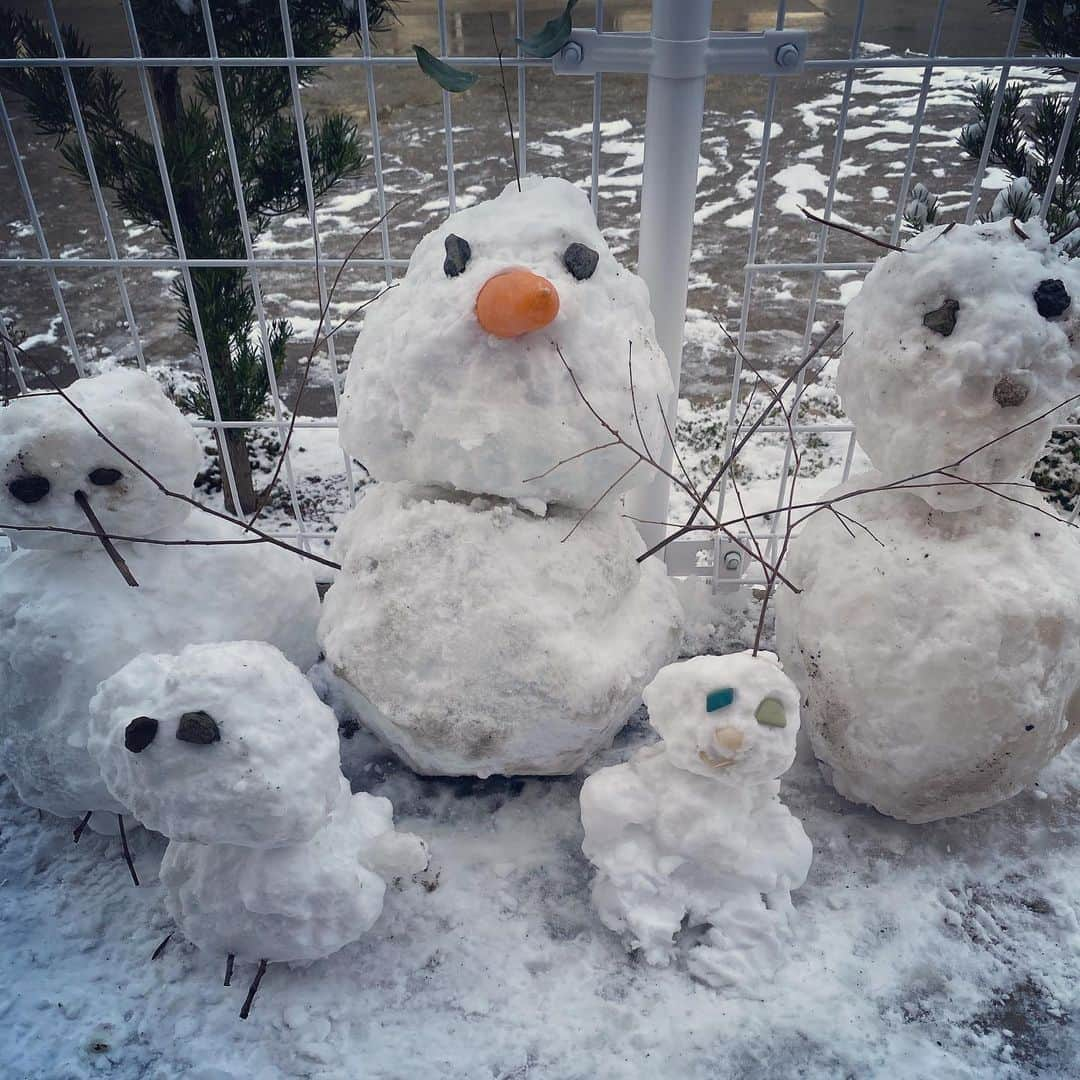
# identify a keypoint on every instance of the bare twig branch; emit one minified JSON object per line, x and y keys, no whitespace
{"x":110,"y":550}
{"x":849,"y":229}
{"x":506,"y":101}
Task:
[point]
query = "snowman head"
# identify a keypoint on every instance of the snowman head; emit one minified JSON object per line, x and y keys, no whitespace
{"x":456,"y":381}
{"x":733,"y":717}
{"x":223,"y":743}
{"x":51,"y":459}
{"x":967,"y":335}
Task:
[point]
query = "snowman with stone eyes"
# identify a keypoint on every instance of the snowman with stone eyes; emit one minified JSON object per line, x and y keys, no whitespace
{"x":691,"y":834}
{"x":228,"y":751}
{"x":938,"y":649}
{"x":464,"y":630}
{"x":68,"y":619}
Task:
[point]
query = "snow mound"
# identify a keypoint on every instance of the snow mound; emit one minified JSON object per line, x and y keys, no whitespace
{"x":68,"y":621}
{"x":691,"y":832}
{"x":941,"y":671}
{"x":221,"y":744}
{"x":957,"y":340}
{"x":295,"y":903}
{"x":48,"y":452}
{"x":476,"y":642}
{"x":432,"y":397}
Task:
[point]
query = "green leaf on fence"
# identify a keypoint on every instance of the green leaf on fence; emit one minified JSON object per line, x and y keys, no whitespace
{"x":552,"y":36}
{"x":449,"y":78}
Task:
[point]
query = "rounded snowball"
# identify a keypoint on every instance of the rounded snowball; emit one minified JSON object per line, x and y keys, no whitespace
{"x":295,"y":903}
{"x":477,"y":643}
{"x":221,"y":744}
{"x":432,"y":398}
{"x":732,"y":717}
{"x":68,"y":621}
{"x":940,"y":672}
{"x":48,"y":452}
{"x":947,"y":348}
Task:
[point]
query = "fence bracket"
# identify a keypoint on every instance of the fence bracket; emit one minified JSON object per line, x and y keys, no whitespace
{"x":715,"y":557}
{"x":771,"y":52}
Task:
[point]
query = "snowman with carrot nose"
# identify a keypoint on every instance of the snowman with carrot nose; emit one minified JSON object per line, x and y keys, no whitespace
{"x":468,"y":634}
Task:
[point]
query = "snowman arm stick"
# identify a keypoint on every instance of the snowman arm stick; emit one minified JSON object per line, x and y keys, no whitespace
{"x":603,"y":495}
{"x":99,"y":531}
{"x":633,"y":402}
{"x":849,"y":229}
{"x":572,"y":457}
{"x":266,"y":538}
{"x":735,"y":450}
{"x":614,"y":433}
{"x":323,"y":312}
{"x":155,"y":540}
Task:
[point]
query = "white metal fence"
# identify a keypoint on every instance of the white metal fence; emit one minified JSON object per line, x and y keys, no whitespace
{"x":676,"y":58}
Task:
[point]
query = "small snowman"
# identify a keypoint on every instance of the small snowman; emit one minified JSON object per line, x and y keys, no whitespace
{"x":228,"y":751}
{"x":468,"y":635}
{"x":691,"y":832}
{"x":939,"y":648}
{"x":67,"y":617}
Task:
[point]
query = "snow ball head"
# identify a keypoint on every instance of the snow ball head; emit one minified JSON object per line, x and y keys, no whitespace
{"x":475,"y":642}
{"x":222,"y":744}
{"x":967,"y":334}
{"x":731,"y":717}
{"x":50,"y":458}
{"x":455,"y":379}
{"x":940,"y":671}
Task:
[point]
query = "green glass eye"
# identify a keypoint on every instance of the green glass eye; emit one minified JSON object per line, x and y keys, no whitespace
{"x":770,"y":713}
{"x":719,"y":699}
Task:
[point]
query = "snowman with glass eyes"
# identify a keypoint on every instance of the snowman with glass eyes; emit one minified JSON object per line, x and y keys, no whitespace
{"x":939,"y":648}
{"x":462,"y":627}
{"x":691,"y":833}
{"x":68,"y":619}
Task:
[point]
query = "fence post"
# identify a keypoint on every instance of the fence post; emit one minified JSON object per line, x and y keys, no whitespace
{"x":673,"y":116}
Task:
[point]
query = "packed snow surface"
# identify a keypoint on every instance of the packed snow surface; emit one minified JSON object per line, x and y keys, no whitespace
{"x":225,"y":743}
{"x":691,"y":833}
{"x":68,"y":620}
{"x":939,"y":657}
{"x":48,"y":452}
{"x":294,"y":903}
{"x":476,"y":641}
{"x":432,"y":397}
{"x":969,"y":333}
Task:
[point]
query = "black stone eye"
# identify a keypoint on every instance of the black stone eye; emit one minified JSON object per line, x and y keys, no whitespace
{"x":580,"y":261}
{"x":458,"y":254}
{"x":140,"y":733}
{"x":199,"y":728}
{"x":1051,"y":298}
{"x":104,"y":477}
{"x":29,"y":489}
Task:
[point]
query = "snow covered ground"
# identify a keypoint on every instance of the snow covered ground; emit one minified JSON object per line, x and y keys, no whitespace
{"x":946,"y":950}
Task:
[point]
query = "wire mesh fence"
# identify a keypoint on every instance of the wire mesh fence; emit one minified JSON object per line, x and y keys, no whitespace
{"x":874,"y":112}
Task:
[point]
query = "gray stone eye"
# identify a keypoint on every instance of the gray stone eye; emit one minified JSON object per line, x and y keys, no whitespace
{"x":199,"y":728}
{"x":458,"y":254}
{"x":104,"y":477}
{"x":29,"y":489}
{"x":770,"y":713}
{"x":580,"y":261}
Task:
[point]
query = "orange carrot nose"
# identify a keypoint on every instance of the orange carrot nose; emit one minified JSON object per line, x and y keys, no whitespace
{"x":516,"y":302}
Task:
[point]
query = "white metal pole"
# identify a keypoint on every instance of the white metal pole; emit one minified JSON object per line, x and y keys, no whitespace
{"x":673,"y":115}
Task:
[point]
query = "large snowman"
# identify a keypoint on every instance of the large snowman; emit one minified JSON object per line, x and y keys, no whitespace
{"x":469,"y":635}
{"x":939,"y":650}
{"x":68,"y":619}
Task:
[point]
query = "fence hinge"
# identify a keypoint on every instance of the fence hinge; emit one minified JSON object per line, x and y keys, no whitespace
{"x":771,"y":52}
{"x":715,"y":557}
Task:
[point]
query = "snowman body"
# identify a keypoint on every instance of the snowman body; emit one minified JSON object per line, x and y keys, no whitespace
{"x":227,"y":749}
{"x":692,"y":832}
{"x":68,"y":620}
{"x":482,"y":621}
{"x":939,"y":658}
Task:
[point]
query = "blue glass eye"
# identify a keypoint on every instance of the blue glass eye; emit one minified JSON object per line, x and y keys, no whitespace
{"x":719,"y":699}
